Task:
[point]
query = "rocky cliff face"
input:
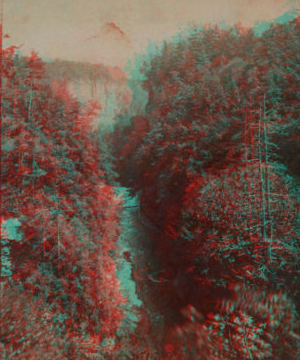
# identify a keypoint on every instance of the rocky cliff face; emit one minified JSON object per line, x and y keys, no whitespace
{"x":105,"y":87}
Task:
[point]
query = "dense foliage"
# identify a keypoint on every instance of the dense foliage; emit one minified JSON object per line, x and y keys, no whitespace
{"x":52,"y":182}
{"x":214,"y":160}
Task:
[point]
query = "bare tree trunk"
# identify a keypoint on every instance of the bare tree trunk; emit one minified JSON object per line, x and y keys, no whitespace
{"x":1,"y":204}
{"x":263,"y":190}
{"x":268,"y":187}
{"x":247,"y":177}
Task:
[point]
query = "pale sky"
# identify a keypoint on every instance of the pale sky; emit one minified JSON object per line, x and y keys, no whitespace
{"x":79,"y":29}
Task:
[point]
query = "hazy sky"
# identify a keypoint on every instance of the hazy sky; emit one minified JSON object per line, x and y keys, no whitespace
{"x":83,"y":30}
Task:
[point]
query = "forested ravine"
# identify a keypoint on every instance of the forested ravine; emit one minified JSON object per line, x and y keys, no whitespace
{"x":154,"y":217}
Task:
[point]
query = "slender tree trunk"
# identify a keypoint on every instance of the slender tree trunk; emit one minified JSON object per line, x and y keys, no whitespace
{"x":268,"y":186}
{"x":30,"y":102}
{"x":1,"y":203}
{"x":58,"y":235}
{"x":1,"y":200}
{"x":44,"y":223}
{"x":247,"y":177}
{"x":262,"y":183}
